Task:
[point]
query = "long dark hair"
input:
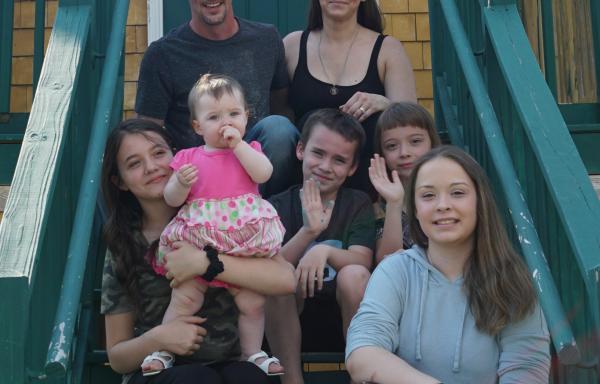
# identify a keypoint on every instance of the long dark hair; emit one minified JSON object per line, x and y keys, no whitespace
{"x":496,"y":280}
{"x":123,"y":227}
{"x":369,"y":16}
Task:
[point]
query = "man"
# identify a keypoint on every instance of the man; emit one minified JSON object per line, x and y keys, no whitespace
{"x":328,"y":228}
{"x":215,"y":41}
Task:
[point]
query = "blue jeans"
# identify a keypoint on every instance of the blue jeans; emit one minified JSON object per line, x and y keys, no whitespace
{"x":278,"y":138}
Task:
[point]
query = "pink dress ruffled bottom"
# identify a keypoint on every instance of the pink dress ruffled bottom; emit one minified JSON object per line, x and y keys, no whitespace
{"x":244,"y":226}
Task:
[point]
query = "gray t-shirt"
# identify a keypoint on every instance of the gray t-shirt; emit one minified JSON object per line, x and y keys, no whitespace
{"x":171,"y":66}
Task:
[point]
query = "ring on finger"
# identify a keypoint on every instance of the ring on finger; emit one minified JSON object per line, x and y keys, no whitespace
{"x":362,"y":109}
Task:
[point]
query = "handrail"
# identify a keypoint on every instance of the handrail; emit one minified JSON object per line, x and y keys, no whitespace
{"x":63,"y":332}
{"x":562,"y":336}
{"x":562,"y":169}
{"x":38,"y":173}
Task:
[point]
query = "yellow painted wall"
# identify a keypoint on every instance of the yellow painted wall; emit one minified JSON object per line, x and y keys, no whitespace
{"x":407,"y":20}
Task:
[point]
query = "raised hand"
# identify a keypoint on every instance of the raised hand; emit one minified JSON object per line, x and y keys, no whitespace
{"x":315,"y":214}
{"x":187,"y":175}
{"x":231,"y":135}
{"x":391,"y":190}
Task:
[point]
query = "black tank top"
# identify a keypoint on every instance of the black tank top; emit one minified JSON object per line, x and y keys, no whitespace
{"x":307,"y":93}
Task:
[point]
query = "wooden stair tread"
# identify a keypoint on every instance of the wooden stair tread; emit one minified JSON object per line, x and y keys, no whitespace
{"x":596,"y":183}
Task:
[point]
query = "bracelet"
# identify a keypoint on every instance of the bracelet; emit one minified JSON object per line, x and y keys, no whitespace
{"x":215,"y":267}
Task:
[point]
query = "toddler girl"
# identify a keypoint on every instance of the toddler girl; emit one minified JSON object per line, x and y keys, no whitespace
{"x":223,"y":212}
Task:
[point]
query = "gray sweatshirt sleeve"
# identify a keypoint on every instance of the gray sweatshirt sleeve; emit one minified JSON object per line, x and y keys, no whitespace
{"x":376,"y":322}
{"x":525,"y":351}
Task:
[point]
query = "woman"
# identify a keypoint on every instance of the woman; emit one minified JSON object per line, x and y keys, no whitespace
{"x":135,"y":171}
{"x":342,"y":60}
{"x":459,"y":305}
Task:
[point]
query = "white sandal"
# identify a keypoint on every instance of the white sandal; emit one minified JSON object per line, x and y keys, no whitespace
{"x":264,"y":366}
{"x":164,"y":357}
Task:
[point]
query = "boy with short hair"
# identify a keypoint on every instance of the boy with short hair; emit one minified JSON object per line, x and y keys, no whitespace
{"x":329,"y":230}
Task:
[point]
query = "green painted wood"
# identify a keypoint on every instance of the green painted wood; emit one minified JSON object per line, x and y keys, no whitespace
{"x":38,"y":38}
{"x":6,"y":27}
{"x":286,"y":15}
{"x":40,"y":194}
{"x":10,"y":153}
{"x":587,"y":141}
{"x":66,"y":317}
{"x":483,"y":138}
{"x":548,"y":168}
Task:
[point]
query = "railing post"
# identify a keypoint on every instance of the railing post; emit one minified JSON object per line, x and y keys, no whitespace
{"x":58,"y":358}
{"x":6,"y":36}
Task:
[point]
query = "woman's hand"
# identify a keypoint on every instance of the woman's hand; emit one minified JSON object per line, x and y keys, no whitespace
{"x":181,"y":336}
{"x":185,"y":262}
{"x":315,"y":216}
{"x":362,"y":105}
{"x":391,"y":190}
{"x":310,"y":270}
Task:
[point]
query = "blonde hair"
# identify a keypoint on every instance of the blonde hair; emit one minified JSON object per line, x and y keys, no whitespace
{"x":215,"y":85}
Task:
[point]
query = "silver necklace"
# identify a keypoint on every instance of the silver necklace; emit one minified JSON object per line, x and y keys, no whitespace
{"x":333,"y":90}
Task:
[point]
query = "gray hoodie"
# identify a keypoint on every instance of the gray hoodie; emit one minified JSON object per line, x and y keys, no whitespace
{"x":412,"y":310}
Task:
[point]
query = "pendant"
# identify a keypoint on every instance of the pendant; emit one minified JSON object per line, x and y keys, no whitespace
{"x":333,"y":90}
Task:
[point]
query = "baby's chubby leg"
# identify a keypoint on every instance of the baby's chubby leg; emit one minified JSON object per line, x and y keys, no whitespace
{"x":186,"y":299}
{"x":251,"y":325}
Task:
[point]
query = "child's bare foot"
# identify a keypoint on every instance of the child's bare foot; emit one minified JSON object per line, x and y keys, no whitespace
{"x":155,"y":362}
{"x":269,"y":365}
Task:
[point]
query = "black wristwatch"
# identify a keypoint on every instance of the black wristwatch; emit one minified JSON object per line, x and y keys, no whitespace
{"x":215,"y":267}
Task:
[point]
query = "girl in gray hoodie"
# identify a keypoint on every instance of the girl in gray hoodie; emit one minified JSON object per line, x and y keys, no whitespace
{"x":458,"y":307}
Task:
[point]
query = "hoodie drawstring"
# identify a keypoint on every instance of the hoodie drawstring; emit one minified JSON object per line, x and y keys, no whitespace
{"x":458,"y":348}
{"x":421,"y":309}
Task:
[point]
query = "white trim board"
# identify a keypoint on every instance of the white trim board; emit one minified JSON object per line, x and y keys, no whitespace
{"x":155,"y":20}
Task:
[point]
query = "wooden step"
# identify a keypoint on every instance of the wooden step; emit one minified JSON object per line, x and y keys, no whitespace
{"x":596,"y":183}
{"x":3,"y":197}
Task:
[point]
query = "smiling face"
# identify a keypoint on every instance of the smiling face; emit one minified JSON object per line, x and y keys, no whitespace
{"x":143,"y":164}
{"x":327,"y":157}
{"x":402,"y":146}
{"x":445,"y":203}
{"x":214,"y":115}
{"x":211,"y":12}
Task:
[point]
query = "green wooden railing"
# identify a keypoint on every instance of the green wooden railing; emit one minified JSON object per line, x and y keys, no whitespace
{"x":48,"y":233}
{"x":583,"y":119}
{"x":12,"y":125}
{"x":492,"y":99}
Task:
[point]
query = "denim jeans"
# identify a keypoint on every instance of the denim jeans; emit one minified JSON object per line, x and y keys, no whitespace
{"x":278,"y":138}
